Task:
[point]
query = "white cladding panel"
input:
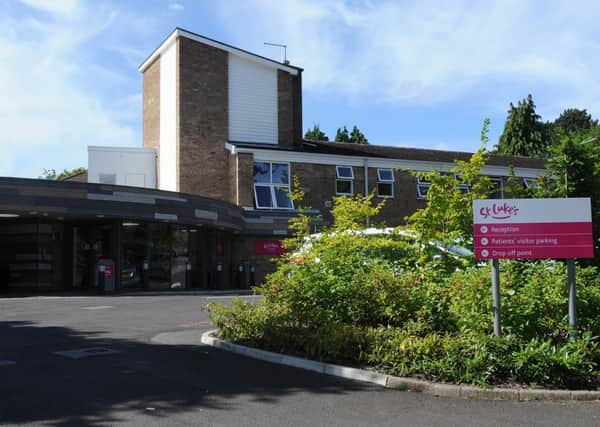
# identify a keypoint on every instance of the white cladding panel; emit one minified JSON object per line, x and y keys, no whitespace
{"x":168,"y":119}
{"x":123,"y":166}
{"x":252,"y":102}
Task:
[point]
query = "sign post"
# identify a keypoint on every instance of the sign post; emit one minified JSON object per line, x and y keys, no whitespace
{"x":533,"y":229}
{"x":572,"y":295}
{"x":496,"y":297}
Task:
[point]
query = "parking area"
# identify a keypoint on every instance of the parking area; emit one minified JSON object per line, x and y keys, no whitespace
{"x":93,"y":361}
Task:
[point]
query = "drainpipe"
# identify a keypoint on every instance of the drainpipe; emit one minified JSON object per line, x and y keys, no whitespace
{"x":366,"y":169}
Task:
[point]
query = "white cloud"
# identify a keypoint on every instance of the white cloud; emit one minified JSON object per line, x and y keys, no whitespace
{"x":425,"y":53}
{"x":52,"y":110}
{"x":176,"y":6}
{"x":61,"y":7}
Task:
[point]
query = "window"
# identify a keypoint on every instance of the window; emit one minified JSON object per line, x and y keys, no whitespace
{"x":498,"y":188}
{"x":385,"y":183}
{"x":422,"y":187}
{"x":464,"y":188}
{"x":344,"y":183}
{"x":272,"y":185}
{"x":530,"y":183}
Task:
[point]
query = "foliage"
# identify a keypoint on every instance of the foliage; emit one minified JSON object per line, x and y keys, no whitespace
{"x":355,"y":137}
{"x":316,"y":134}
{"x":524,"y":133}
{"x":407,"y":321}
{"x":448,"y":214}
{"x":51,"y":173}
{"x":574,"y":120}
{"x":351,"y":213}
{"x":380,"y":301}
{"x":342,"y":135}
{"x":299,"y":224}
{"x":573,"y":170}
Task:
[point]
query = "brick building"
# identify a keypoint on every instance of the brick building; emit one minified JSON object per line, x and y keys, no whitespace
{"x":204,"y":203}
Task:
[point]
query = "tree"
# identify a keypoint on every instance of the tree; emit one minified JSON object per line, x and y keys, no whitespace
{"x":573,"y":120}
{"x":316,"y":134}
{"x":342,"y":135}
{"x":354,"y":137}
{"x":52,"y":175}
{"x":573,"y":170}
{"x":357,"y":137}
{"x":524,"y":133}
{"x":48,"y":174}
{"x":448,"y":214}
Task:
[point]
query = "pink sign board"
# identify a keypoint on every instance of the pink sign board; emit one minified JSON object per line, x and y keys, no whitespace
{"x":108,"y":271}
{"x":533,"y":228}
{"x":268,"y":247}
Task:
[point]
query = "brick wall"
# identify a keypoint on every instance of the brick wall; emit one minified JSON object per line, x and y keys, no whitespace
{"x":204,"y":165}
{"x":245,"y":171}
{"x":289,"y":109}
{"x":151,"y":106}
{"x":318,"y":181}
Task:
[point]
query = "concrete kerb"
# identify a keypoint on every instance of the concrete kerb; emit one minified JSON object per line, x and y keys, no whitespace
{"x":401,"y":383}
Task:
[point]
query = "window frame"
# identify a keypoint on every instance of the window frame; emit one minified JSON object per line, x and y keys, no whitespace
{"x":389,"y":182}
{"x":422,"y":183}
{"x":462,"y":186}
{"x":530,"y":183}
{"x":339,"y":178}
{"x":273,"y":186}
{"x":501,"y":188}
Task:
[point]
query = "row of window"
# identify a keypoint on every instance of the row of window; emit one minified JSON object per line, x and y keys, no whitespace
{"x":344,"y":183}
{"x":423,"y":186}
{"x":272,"y":184}
{"x":498,"y":183}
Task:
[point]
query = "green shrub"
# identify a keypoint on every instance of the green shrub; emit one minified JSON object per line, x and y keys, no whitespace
{"x":383,"y":302}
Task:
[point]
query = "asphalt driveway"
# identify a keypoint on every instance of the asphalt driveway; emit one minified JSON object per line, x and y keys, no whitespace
{"x":92,"y":361}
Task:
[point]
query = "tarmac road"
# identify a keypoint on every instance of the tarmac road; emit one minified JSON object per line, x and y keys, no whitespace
{"x":129,"y":379}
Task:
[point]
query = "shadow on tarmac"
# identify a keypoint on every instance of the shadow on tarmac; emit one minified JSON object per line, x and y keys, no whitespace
{"x":145,"y":378}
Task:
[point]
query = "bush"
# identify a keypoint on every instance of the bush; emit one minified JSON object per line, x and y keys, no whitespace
{"x":383,"y":302}
{"x":534,"y":299}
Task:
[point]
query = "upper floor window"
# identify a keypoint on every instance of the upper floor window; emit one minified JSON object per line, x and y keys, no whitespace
{"x":464,"y":188}
{"x":530,"y":183}
{"x":422,"y":187}
{"x":385,"y":183}
{"x":272,"y":185}
{"x":344,"y":183}
{"x":498,"y":188}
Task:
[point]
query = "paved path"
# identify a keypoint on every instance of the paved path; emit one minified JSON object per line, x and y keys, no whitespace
{"x":135,"y":380}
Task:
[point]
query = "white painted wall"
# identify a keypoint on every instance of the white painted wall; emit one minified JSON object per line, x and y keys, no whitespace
{"x":252,"y":101}
{"x":129,"y":165}
{"x":168,"y":119}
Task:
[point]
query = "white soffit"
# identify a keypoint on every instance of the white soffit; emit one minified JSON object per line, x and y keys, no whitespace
{"x":267,"y":155}
{"x":178,"y":32}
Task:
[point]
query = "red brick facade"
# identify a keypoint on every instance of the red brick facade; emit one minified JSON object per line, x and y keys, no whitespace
{"x":203,"y":120}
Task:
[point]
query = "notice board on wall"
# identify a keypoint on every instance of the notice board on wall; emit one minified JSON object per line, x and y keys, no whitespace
{"x":268,"y":247}
{"x":532,"y":228}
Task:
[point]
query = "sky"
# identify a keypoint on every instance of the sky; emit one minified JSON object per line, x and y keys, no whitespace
{"x":407,"y":73}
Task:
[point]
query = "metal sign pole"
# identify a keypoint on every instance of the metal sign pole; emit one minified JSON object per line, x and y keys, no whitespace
{"x":496,"y":297}
{"x":572,"y":295}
